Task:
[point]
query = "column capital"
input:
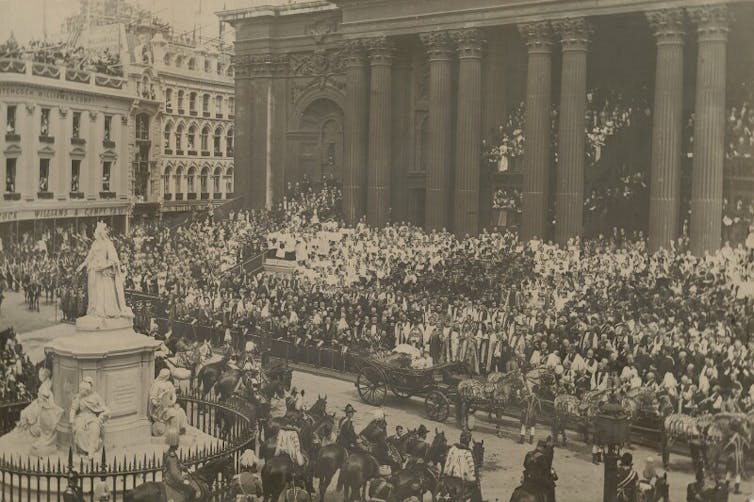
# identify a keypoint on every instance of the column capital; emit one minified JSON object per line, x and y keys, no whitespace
{"x":260,"y":65}
{"x":469,"y":43}
{"x":380,"y":50}
{"x":712,"y":21}
{"x":537,"y":35}
{"x":668,"y":25}
{"x":354,"y":53}
{"x":438,"y":43}
{"x":574,"y":32}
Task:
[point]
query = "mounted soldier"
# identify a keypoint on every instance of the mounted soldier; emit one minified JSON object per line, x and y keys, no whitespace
{"x":174,"y":473}
{"x":347,"y":437}
{"x":460,"y":465}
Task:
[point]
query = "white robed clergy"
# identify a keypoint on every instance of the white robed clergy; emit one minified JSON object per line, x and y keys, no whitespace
{"x":40,"y":418}
{"x":105,"y":279}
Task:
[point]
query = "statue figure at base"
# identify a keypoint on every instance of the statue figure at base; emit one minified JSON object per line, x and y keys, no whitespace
{"x":105,"y":280}
{"x":88,"y":413}
{"x":163,"y":409}
{"x":41,"y":417}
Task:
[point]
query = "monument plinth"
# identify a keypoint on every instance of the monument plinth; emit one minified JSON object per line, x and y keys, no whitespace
{"x":121,"y":363}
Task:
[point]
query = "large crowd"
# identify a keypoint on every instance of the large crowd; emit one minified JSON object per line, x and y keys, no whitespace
{"x":75,"y":58}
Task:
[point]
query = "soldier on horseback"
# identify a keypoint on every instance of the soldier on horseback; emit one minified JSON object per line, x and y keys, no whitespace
{"x":347,"y":437}
{"x":174,"y":473}
{"x":460,"y":464}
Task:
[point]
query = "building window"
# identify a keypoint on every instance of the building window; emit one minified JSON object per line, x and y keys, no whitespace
{"x":207,"y":66}
{"x":192,"y":102}
{"x":166,"y":181}
{"x":219,"y":68}
{"x":10,"y":120}
{"x":169,"y":99}
{"x":231,"y":106}
{"x":75,"y":173}
{"x":107,"y":167}
{"x":190,"y":180}
{"x":205,"y":103}
{"x":76,"y":124}
{"x":44,"y":174}
{"x":168,"y":132}
{"x":229,"y":181}
{"x":205,"y":138}
{"x":142,"y":127}
{"x":166,"y":60}
{"x":216,"y":181}
{"x":108,"y":126}
{"x":44,"y":125}
{"x":191,"y":137}
{"x":179,"y":138}
{"x":229,"y":143}
{"x":192,"y":64}
{"x":203,"y":179}
{"x":218,"y":136}
{"x":180,"y":101}
{"x":219,"y":105}
{"x":10,"y":175}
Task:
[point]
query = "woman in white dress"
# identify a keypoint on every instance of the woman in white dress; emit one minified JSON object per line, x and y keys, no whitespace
{"x":105,"y":281}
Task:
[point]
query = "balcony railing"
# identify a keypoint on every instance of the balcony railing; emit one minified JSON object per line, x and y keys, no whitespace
{"x":181,"y":111}
{"x":191,"y":196}
{"x":168,"y":151}
{"x":217,"y":195}
{"x":107,"y":195}
{"x":11,"y":136}
{"x":60,"y":72}
{"x":108,"y":144}
{"x":12,"y":196}
{"x":78,"y":141}
{"x":205,"y":195}
{"x":193,"y":113}
{"x":46,"y":139}
{"x":76,"y":195}
{"x":218,"y":115}
{"x":179,"y":152}
{"x":218,"y":154}
{"x":206,"y":114}
{"x":229,"y":152}
{"x":167,"y":196}
{"x":45,"y":195}
{"x":192,"y":152}
{"x":179,"y":196}
{"x":205,"y":153}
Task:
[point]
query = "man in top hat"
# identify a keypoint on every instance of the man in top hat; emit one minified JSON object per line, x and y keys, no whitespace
{"x":347,"y":437}
{"x":627,"y":478}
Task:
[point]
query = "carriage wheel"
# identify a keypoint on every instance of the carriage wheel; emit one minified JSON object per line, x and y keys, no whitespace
{"x":437,"y":406}
{"x":401,"y":394}
{"x":371,"y":386}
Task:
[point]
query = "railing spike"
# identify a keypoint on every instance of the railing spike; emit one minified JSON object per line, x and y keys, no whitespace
{"x":70,"y":458}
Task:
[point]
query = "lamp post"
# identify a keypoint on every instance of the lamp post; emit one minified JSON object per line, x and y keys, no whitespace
{"x":612,"y":430}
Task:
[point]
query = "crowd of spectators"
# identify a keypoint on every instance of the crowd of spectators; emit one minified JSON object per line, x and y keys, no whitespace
{"x":19,"y":379}
{"x":76,"y":58}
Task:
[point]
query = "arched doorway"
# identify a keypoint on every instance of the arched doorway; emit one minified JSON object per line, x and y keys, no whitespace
{"x":320,"y":145}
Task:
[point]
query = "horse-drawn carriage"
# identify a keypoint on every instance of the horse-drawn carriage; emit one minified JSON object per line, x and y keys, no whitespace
{"x":438,"y":384}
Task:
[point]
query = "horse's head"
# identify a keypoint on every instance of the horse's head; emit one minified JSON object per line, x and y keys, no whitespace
{"x":319,"y":408}
{"x":439,"y":447}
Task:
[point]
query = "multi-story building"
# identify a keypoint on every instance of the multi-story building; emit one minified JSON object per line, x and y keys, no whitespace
{"x":65,"y":149}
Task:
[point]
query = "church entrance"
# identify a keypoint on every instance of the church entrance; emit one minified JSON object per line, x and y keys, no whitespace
{"x":319,"y":143}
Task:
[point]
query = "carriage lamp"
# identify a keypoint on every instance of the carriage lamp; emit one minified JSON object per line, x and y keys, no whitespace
{"x":612,"y":431}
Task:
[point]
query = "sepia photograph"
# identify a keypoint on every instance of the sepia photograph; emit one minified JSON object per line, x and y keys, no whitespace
{"x":377,"y":251}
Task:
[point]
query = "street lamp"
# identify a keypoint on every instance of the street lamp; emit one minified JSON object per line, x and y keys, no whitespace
{"x":612,"y":430}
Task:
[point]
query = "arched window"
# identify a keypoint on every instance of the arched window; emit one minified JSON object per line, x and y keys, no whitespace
{"x":179,"y":139}
{"x":203,"y":179}
{"x":205,"y":139}
{"x":190,"y":188}
{"x":167,"y":59}
{"x":178,"y":180}
{"x":180,"y":101}
{"x":216,"y":180}
{"x":169,"y":100}
{"x":220,"y":68}
{"x":168,"y":133}
{"x":219,"y":105}
{"x":192,"y":64}
{"x":231,"y":71}
{"x":178,"y":61}
{"x":231,"y":106}
{"x":216,"y":148}
{"x":191,"y":141}
{"x":205,"y":105}
{"x":229,"y":180}
{"x":142,"y":126}
{"x":192,"y":102}
{"x":229,"y":143}
{"x":207,"y":66}
{"x":167,"y":187}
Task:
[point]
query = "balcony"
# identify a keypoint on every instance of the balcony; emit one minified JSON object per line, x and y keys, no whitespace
{"x":76,"y":195}
{"x":167,"y":196}
{"x":168,"y":151}
{"x":107,"y":195}
{"x":46,"y":139}
{"x":181,"y":111}
{"x":11,"y":136}
{"x":205,"y":195}
{"x":11,"y":196}
{"x":179,"y":196}
{"x":230,"y":195}
{"x":179,"y":152}
{"x":205,"y":153}
{"x":231,"y":116}
{"x":229,"y":152}
{"x":78,"y":141}
{"x":192,"y":152}
{"x":168,"y":109}
{"x":108,"y":144}
{"x":206,"y":114}
{"x":191,"y":196}
{"x":218,"y":115}
{"x":193,"y":113}
{"x":217,"y":196}
{"x":45,"y":195}
{"x":218,"y":154}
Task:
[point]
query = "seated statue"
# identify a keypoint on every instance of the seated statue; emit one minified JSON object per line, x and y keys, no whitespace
{"x":41,"y":418}
{"x":88,"y":413}
{"x":162,"y":408}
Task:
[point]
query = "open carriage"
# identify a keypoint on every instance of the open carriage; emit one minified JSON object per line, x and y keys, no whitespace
{"x":380,"y":373}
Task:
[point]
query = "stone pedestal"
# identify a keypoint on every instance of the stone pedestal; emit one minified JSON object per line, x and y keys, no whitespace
{"x":121,"y":363}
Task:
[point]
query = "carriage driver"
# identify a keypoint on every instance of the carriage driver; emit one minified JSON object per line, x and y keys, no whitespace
{"x":174,"y":473}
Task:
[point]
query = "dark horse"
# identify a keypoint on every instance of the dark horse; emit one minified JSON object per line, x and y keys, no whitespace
{"x":204,"y":477}
{"x":538,"y":483}
{"x":228,"y":380}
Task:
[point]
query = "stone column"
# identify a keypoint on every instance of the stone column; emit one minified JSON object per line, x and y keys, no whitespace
{"x":243,"y":166}
{"x":438,"y":201}
{"x":355,"y":132}
{"x":401,"y":136}
{"x":569,"y":197}
{"x":665,"y":183}
{"x":468,"y":132}
{"x":709,"y":128}
{"x":538,"y":37}
{"x":380,"y":105}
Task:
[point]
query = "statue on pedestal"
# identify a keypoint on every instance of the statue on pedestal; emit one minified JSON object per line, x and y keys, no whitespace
{"x":41,"y":417}
{"x":88,"y":413}
{"x":163,"y":408}
{"x":105,"y":280}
